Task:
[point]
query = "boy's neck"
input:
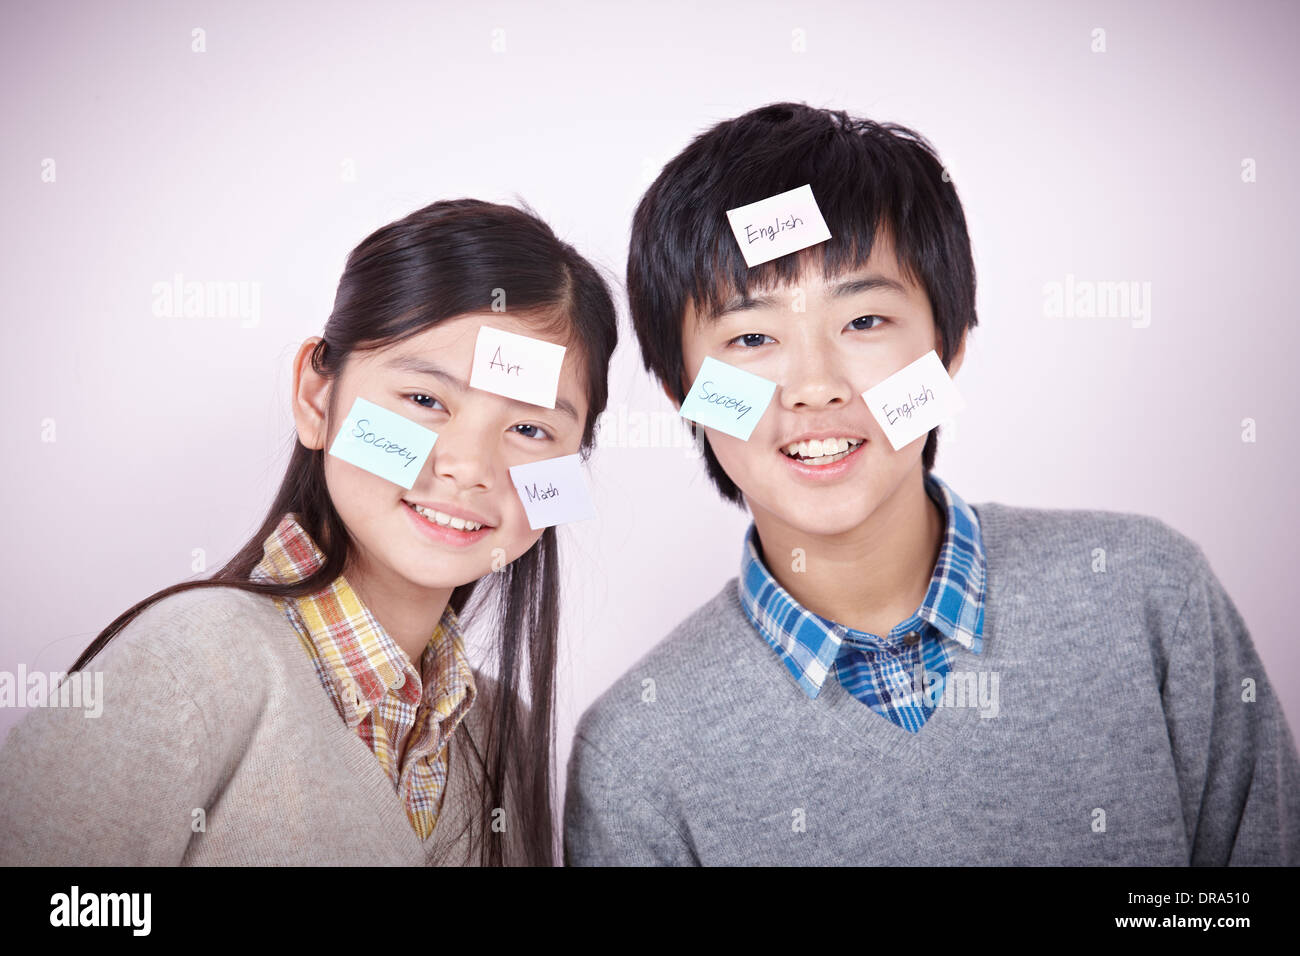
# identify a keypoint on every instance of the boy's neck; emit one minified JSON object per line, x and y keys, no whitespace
{"x":870,"y":578}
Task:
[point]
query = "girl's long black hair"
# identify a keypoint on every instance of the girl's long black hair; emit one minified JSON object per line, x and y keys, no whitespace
{"x":448,"y":259}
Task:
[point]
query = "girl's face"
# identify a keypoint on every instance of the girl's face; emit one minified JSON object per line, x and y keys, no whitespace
{"x":480,"y":436}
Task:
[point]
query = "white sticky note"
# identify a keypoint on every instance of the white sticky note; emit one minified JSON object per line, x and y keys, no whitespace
{"x":914,"y":399}
{"x":553,"y":491}
{"x":781,"y":224}
{"x":517,"y":366}
{"x":727,"y":398}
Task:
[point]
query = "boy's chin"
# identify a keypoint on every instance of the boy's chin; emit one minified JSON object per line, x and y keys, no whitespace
{"x":841,"y":517}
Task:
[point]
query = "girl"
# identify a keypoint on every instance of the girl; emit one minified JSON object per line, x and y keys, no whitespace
{"x":311,"y":703}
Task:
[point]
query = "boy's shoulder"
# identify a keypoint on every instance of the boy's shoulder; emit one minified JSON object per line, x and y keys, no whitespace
{"x":1036,"y":541}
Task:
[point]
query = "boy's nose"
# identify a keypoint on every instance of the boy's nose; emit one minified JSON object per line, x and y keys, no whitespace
{"x":814,"y":380}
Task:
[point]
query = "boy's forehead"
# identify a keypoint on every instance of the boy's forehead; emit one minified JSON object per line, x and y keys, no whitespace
{"x":880,"y":272}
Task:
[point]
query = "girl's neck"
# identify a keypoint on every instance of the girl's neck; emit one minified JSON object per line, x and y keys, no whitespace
{"x":408,"y":613}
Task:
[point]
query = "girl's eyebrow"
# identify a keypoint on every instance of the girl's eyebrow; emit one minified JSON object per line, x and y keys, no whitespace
{"x":409,"y":363}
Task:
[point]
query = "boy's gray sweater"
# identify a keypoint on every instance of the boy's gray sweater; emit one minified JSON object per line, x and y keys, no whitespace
{"x":1116,"y":716}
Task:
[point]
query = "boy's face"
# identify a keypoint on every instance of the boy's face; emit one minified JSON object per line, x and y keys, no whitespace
{"x":855,"y":330}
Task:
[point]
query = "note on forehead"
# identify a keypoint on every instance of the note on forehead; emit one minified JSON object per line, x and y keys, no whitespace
{"x":383,"y":443}
{"x":781,"y":224}
{"x":517,"y":366}
{"x":914,"y":399}
{"x":553,"y":491}
{"x":727,"y":398}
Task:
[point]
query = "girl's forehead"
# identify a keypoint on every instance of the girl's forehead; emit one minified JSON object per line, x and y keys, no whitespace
{"x":461,"y":331}
{"x":446,"y":351}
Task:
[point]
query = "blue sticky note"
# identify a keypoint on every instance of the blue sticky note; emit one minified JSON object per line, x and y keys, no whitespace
{"x":727,"y":398}
{"x":383,"y":443}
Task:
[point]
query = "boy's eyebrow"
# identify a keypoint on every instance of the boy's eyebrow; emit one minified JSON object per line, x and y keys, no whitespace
{"x":409,"y":363}
{"x":869,"y":283}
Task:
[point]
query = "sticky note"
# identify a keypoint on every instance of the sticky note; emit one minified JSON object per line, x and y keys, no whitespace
{"x":383,"y":443}
{"x":727,"y":398}
{"x":780,"y":224}
{"x":914,"y":399}
{"x":516,"y":366}
{"x":553,"y":491}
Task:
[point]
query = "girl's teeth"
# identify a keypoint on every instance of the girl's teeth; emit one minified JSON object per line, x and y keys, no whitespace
{"x":460,"y":524}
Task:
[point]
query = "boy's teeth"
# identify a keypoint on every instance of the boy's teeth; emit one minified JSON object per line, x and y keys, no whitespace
{"x":816,"y":449}
{"x":460,"y":524}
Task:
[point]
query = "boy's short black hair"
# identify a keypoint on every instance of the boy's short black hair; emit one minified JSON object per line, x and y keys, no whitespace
{"x":864,"y":176}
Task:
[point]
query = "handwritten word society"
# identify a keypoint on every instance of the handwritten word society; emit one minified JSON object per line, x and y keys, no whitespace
{"x":380,"y":443}
{"x":724,"y":401}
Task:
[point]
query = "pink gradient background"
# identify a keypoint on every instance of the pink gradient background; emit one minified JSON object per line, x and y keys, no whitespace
{"x":173,"y":433}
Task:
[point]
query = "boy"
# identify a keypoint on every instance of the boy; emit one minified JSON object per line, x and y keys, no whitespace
{"x":896,"y":677}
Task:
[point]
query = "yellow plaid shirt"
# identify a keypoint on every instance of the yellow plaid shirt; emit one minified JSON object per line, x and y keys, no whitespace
{"x":406,"y":718}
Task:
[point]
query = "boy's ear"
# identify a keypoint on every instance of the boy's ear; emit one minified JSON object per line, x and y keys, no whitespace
{"x":957,"y":357}
{"x":672,"y":395}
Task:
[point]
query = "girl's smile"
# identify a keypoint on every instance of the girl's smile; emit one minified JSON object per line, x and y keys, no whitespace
{"x":453,"y":527}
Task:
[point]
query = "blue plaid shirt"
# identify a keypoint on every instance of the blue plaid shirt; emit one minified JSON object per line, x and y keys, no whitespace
{"x":900,"y":676}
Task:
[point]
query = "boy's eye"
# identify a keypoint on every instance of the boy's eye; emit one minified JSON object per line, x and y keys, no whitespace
{"x":855,"y":324}
{"x":751,"y":339}
{"x":416,"y":398}
{"x":537,"y":432}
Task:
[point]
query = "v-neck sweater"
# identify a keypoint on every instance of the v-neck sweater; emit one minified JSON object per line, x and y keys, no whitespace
{"x":1132,"y":723}
{"x":217,"y":745}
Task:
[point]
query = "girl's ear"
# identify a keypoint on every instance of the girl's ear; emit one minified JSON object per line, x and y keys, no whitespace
{"x":311,"y":393}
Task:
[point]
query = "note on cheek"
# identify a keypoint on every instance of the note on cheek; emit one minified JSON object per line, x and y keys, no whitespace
{"x":517,"y":366}
{"x":383,"y":443}
{"x":914,"y":399}
{"x":553,"y":491}
{"x":727,"y":398}
{"x":778,"y":225}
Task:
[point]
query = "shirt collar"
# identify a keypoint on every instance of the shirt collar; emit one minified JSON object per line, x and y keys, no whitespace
{"x":808,"y":643}
{"x":363,"y":662}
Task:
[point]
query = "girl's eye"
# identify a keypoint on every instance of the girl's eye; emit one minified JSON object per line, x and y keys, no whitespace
{"x":416,"y":398}
{"x":749,"y":339}
{"x":537,"y":432}
{"x":862,"y":318}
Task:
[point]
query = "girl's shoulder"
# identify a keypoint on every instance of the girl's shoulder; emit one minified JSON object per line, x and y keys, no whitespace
{"x":201,"y":635}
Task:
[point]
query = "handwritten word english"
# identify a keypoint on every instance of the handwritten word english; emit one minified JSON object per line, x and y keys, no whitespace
{"x":913,"y":402}
{"x":779,"y":225}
